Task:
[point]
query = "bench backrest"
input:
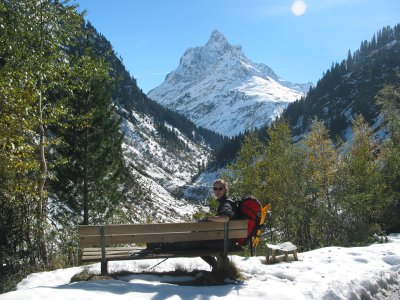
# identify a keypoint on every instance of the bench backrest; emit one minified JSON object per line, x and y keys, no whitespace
{"x":101,"y":235}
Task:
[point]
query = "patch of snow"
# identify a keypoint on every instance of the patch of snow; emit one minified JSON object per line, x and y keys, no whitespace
{"x":331,"y":273}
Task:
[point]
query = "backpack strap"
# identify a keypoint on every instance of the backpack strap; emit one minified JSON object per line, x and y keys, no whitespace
{"x":258,"y":229}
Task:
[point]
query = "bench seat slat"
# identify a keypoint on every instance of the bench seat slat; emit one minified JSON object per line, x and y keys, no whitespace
{"x":127,"y":256}
{"x":161,"y":237}
{"x":107,"y":252}
{"x":160,"y":228}
{"x":128,"y":248}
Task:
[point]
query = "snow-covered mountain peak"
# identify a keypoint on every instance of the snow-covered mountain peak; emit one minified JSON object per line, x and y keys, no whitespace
{"x":219,"y":43}
{"x":217,"y":39}
{"x":219,"y":88}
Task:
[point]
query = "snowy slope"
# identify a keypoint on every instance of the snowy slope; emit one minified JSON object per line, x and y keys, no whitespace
{"x":219,"y":88}
{"x":199,"y":189}
{"x":160,"y":173}
{"x":332,"y":273}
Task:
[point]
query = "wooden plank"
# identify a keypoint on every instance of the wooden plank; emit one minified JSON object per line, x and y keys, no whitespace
{"x":161,"y":238}
{"x":160,"y":255}
{"x":108,"y":257}
{"x":150,"y":228}
{"x":91,"y":253}
{"x":88,"y":229}
{"x":160,"y":228}
{"x":112,"y":248}
{"x":109,"y":254}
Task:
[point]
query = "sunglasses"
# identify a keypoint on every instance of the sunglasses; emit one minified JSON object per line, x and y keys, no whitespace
{"x":218,"y":188}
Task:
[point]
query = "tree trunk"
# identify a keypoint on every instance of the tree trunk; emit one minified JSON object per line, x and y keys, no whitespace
{"x":41,"y":206}
{"x":85,"y":182}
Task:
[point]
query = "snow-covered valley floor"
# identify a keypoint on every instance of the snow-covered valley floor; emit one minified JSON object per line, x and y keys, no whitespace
{"x":331,"y":273}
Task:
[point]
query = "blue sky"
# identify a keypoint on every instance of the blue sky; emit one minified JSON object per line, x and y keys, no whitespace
{"x":151,"y":35}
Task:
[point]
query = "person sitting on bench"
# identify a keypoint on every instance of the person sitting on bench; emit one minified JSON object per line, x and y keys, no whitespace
{"x":226,"y":210}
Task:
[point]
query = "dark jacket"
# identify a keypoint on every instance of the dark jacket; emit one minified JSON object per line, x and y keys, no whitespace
{"x":227,"y":207}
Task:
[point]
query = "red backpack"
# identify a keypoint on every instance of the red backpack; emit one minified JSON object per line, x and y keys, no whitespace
{"x":249,"y":208}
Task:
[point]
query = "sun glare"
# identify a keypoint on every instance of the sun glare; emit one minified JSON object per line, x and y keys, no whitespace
{"x":299,"y":7}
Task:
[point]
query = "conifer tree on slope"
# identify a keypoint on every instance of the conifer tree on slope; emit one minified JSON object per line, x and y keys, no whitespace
{"x":389,"y":99}
{"x":89,"y":183}
{"x":360,"y":186}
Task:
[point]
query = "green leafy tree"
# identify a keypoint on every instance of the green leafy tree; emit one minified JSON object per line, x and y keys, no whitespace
{"x":321,"y":158}
{"x":33,"y":84}
{"x":41,"y":29}
{"x":244,"y":173}
{"x":281,"y":170}
{"x":17,"y":144}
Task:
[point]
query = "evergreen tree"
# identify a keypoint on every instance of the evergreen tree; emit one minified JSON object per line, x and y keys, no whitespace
{"x":389,"y":99}
{"x":359,"y":186}
{"x":89,"y":182}
{"x":349,"y":61}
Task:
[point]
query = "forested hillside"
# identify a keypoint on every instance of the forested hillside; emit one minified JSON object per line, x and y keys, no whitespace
{"x":348,"y":88}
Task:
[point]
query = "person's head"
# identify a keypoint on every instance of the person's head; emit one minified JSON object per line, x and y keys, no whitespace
{"x":220,"y":188}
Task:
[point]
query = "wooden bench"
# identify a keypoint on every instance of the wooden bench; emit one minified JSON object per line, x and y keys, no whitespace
{"x":286,"y":248}
{"x":118,"y":242}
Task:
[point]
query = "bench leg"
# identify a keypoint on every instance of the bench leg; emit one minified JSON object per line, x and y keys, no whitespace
{"x":295,"y":255}
{"x":267,"y":255}
{"x":273,"y":255}
{"x":286,"y":256}
{"x":104,"y":268}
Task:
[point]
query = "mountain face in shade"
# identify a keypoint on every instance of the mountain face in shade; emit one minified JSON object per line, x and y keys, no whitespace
{"x":163,"y":151}
{"x":219,"y":88}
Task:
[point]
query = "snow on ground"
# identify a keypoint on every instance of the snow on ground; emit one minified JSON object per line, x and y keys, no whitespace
{"x":331,"y":273}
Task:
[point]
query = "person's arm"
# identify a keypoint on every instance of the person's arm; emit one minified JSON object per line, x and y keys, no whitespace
{"x":227,"y":209}
{"x":218,"y":219}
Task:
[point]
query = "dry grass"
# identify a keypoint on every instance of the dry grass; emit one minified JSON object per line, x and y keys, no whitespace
{"x":86,"y":276}
{"x":200,"y":277}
